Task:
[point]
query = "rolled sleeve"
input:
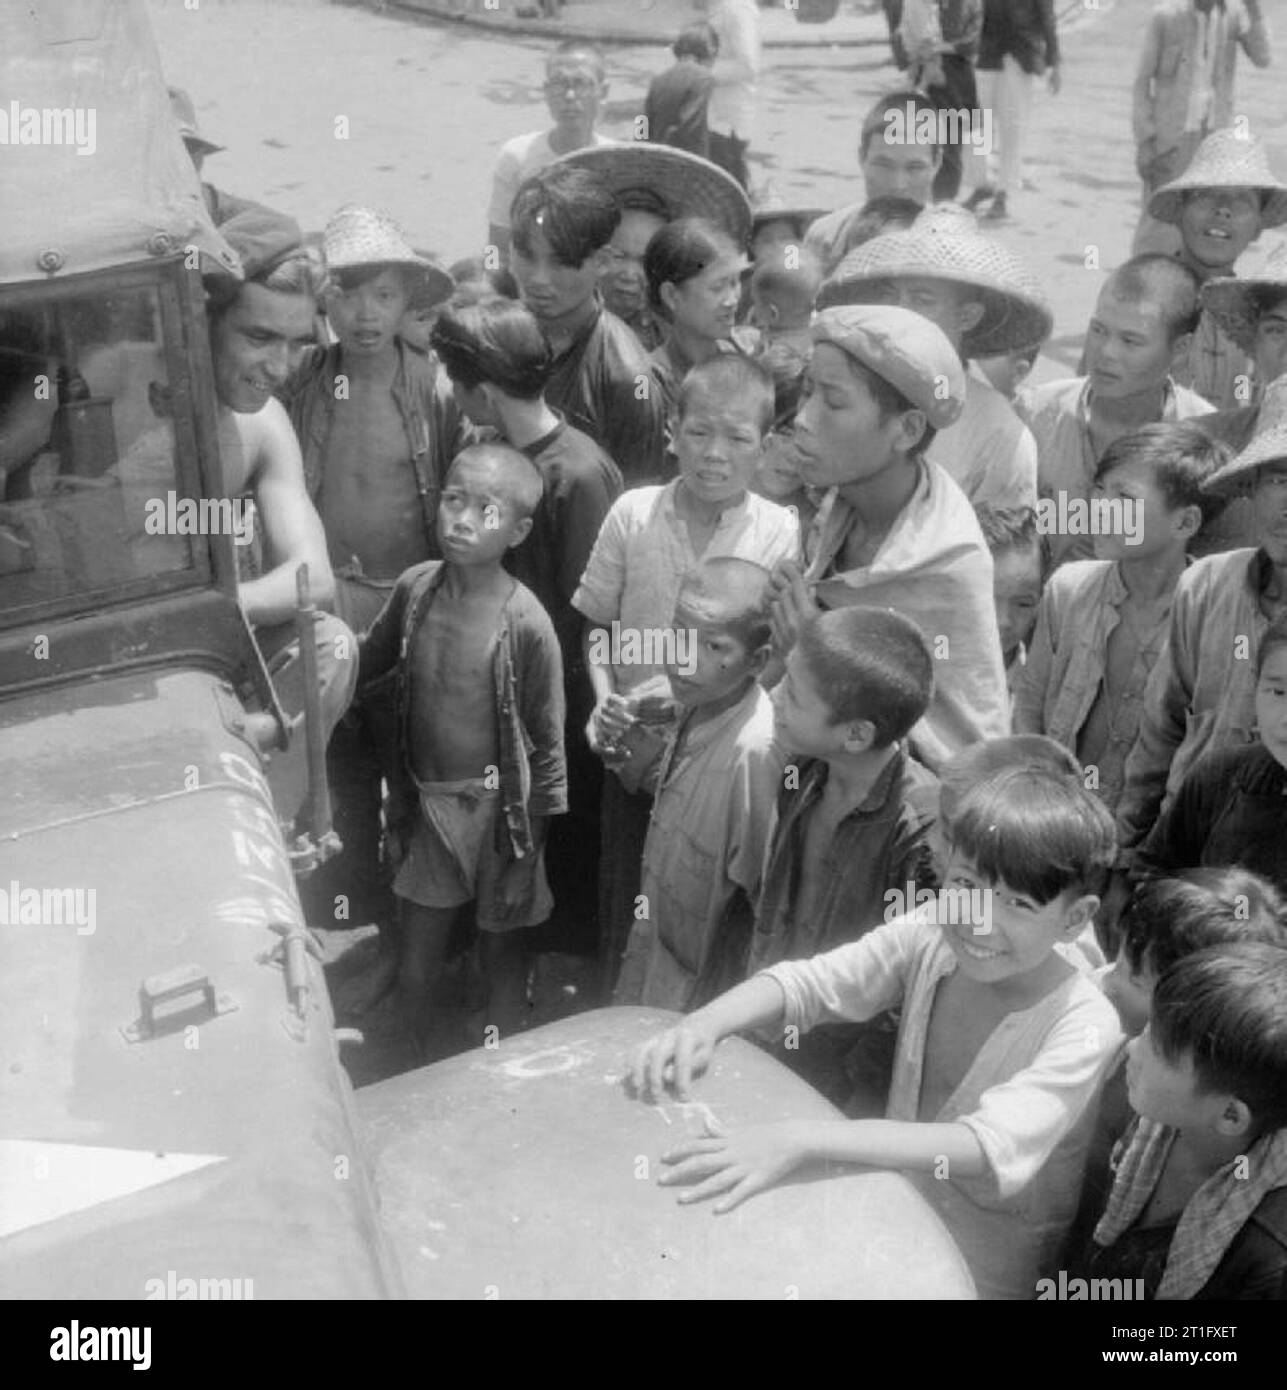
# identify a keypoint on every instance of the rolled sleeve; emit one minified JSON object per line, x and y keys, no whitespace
{"x":851,"y":984}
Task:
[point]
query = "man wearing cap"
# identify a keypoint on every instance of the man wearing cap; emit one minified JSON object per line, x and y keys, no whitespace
{"x":986,"y":302}
{"x":259,"y":328}
{"x":894,"y":163}
{"x":1253,"y":314}
{"x":894,"y":530}
{"x":1220,"y":204}
{"x":1201,"y":694}
{"x":220,"y":205}
{"x":378,"y":427}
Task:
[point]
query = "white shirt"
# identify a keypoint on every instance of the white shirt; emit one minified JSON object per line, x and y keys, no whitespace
{"x":518,"y":160}
{"x":989,"y":452}
{"x":732,"y":104}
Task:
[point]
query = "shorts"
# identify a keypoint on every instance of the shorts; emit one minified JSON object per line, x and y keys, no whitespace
{"x":451,"y":858}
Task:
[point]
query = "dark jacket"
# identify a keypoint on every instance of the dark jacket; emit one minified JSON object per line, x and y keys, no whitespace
{"x":675,"y":108}
{"x":528,"y":676}
{"x":1023,"y":29}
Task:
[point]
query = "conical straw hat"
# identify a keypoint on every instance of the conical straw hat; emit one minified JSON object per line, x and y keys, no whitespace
{"x":1225,"y":159}
{"x":358,"y":236}
{"x":1236,"y":304}
{"x":1268,"y":444}
{"x":1015,"y":312}
{"x":683,"y":184}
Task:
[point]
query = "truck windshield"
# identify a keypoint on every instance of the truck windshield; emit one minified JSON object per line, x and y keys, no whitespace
{"x":92,"y":495}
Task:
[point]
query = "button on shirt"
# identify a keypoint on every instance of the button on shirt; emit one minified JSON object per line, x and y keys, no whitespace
{"x":644,"y":554}
{"x":1058,"y":414}
{"x":1027,"y":1096}
{"x":933,"y":567}
{"x":1201,"y":694}
{"x":1064,"y":672}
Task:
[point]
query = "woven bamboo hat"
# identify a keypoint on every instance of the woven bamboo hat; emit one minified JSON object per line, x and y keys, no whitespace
{"x":1236,"y":304}
{"x":771,"y":206}
{"x":357,"y":236}
{"x":941,"y":246}
{"x":1225,"y":159}
{"x":1268,"y":444}
{"x":673,"y":181}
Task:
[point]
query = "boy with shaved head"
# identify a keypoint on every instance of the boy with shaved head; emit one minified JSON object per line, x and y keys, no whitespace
{"x":480,"y":699}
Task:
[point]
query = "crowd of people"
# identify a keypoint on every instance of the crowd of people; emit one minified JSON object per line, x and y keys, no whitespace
{"x":729,"y":609}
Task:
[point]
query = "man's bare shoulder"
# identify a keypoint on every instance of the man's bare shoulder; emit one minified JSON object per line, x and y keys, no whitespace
{"x":268,"y":448}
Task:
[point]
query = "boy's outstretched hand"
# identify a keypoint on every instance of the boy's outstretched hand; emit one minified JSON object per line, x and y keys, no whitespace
{"x":672,"y":1059}
{"x":734,"y":1165}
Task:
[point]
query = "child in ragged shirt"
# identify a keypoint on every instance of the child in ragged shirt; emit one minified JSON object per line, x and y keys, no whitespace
{"x":650,"y":541}
{"x":1198,"y":1207}
{"x":480,"y":710}
{"x":714,"y":801}
{"x":1002,"y":1043}
{"x":851,"y":839}
{"x":1102,"y":622}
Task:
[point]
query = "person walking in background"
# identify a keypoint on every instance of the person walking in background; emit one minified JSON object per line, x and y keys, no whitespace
{"x":731,"y":116}
{"x":676,"y":106}
{"x":1019,"y":43}
{"x":1184,"y":90}
{"x":935,"y":43}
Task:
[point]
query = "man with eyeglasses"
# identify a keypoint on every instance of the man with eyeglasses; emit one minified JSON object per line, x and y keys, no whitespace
{"x":575,"y":87}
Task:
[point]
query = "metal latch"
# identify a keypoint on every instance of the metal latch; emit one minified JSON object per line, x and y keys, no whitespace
{"x":168,"y":988}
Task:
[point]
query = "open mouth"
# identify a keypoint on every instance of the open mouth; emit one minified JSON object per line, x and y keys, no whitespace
{"x":975,"y":951}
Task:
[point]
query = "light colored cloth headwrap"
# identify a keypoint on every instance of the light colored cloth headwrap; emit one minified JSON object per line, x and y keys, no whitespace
{"x":1215,"y":1213}
{"x":1215,"y":36}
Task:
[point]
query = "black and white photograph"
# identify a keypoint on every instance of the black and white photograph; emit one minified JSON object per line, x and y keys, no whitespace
{"x":643,"y":657}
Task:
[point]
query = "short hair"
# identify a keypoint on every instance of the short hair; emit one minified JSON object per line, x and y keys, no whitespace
{"x":1008,"y":528}
{"x":575,"y":209}
{"x":727,"y":377}
{"x":874,"y":121}
{"x":1267,"y":298}
{"x":1275,"y":637}
{"x":1164,"y":281}
{"x":1036,"y":830}
{"x":681,"y":250}
{"x":302,"y":271}
{"x":522,"y":481}
{"x":869,"y":664}
{"x":733,"y":595}
{"x":1225,"y":1008}
{"x":1028,"y":752}
{"x":579,"y":48}
{"x":1180,"y":457}
{"x":889,"y":212}
{"x":352,"y":277}
{"x":1169,"y":918}
{"x":698,"y":41}
{"x":796,"y":285}
{"x":495,"y":340}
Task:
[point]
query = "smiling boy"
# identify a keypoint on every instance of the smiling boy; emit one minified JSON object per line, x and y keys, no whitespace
{"x":1002,"y":1042}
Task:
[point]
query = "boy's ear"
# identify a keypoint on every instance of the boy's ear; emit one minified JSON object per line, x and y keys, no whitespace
{"x":521,"y":529}
{"x":1189,"y":522}
{"x":1235,"y":1118}
{"x":859,"y":736}
{"x":912,"y":425}
{"x":1080,"y":911}
{"x":760,"y":658}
